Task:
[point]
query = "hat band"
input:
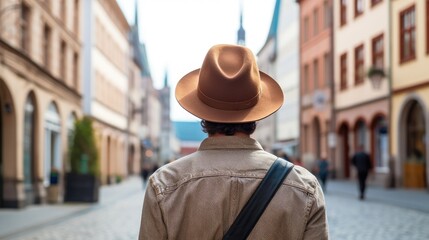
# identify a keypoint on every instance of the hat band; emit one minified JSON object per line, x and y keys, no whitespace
{"x":222,"y":105}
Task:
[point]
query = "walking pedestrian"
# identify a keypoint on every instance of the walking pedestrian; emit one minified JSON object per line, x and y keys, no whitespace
{"x":200,"y":195}
{"x":322,"y":172}
{"x":362,"y":161}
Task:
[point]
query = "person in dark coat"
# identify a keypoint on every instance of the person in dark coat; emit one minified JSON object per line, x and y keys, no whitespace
{"x":322,"y":172}
{"x":362,"y":161}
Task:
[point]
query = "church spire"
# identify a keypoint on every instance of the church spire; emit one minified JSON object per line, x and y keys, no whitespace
{"x":165,"y":78}
{"x":241,"y":33}
{"x":136,"y":14}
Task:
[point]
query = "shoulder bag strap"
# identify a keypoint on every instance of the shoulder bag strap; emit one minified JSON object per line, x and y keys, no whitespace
{"x":252,"y":211}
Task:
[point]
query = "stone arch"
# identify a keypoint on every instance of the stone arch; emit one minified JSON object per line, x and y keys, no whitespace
{"x":8,"y":148}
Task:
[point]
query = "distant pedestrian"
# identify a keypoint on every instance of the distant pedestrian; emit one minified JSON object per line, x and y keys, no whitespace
{"x":145,"y":171}
{"x":323,"y":171}
{"x":362,"y":161}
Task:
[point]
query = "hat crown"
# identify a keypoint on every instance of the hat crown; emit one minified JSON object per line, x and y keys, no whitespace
{"x":229,"y":78}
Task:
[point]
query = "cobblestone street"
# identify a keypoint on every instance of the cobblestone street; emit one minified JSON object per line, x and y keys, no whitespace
{"x":349,"y":218}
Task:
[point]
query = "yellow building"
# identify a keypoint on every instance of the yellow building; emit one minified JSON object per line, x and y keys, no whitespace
{"x":410,"y":92}
{"x":361,"y":40}
{"x":40,"y":94}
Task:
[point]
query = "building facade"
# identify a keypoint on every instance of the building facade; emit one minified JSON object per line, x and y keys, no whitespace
{"x":40,"y":95}
{"x":410,"y":92}
{"x":106,"y":68}
{"x":279,"y":57}
{"x":316,"y":96}
{"x":361,"y":107}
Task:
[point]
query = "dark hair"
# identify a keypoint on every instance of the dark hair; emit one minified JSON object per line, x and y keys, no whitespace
{"x":228,"y":129}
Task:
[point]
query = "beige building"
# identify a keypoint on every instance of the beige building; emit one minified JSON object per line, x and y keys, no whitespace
{"x":40,"y":94}
{"x":106,"y":81}
{"x":410,"y":98}
{"x":361,"y":40}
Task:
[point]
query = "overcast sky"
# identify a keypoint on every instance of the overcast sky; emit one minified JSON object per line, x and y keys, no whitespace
{"x":178,"y":33}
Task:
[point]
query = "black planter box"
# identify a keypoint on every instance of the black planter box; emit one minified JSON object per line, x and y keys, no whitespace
{"x":81,"y":188}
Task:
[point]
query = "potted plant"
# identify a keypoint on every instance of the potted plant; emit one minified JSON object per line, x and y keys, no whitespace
{"x":82,"y":183}
{"x":53,"y":190}
{"x":376,"y":74}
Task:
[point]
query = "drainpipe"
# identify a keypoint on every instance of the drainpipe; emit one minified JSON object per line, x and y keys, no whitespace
{"x":391,"y":160}
{"x":332,"y":149}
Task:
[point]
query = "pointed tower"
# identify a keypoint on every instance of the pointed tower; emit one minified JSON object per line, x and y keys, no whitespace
{"x":241,"y":33}
{"x":166,"y":130}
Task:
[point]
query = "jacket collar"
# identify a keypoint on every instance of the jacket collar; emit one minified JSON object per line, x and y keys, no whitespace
{"x":229,"y":142}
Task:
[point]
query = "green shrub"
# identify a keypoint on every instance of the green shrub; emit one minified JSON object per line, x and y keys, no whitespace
{"x":83,"y":149}
{"x":373,"y":71}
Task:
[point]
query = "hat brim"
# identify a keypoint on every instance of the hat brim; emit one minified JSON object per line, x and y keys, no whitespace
{"x":271,"y":99}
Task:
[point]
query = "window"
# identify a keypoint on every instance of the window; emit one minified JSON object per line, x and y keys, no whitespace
{"x":343,"y":71}
{"x":306,"y":80}
{"x":75,"y":70}
{"x":343,"y":12}
{"x":358,"y":7}
{"x":359,"y":65}
{"x":76,"y":17}
{"x":315,"y":74}
{"x":63,"y":60}
{"x":326,"y":68}
{"x":326,"y":14}
{"x":408,"y":34}
{"x":306,"y":28}
{"x":378,"y":52}
{"x":315,"y":21}
{"x":46,"y":46}
{"x":63,"y":11}
{"x":25,"y":28}
{"x":375,"y":2}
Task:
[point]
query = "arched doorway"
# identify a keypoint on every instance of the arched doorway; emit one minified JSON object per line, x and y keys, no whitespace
{"x":131,"y":156}
{"x":316,"y":136}
{"x":344,"y":149}
{"x":415,"y":147}
{"x":52,"y":142}
{"x":29,"y":147}
{"x":380,"y":143}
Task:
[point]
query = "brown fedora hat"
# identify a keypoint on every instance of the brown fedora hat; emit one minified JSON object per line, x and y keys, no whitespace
{"x":229,"y":88}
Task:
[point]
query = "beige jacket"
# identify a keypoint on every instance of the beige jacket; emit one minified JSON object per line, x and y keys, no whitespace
{"x":199,"y":196}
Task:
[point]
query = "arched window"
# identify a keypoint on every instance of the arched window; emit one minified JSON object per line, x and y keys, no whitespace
{"x":380,"y":144}
{"x":52,"y":141}
{"x":29,"y":124}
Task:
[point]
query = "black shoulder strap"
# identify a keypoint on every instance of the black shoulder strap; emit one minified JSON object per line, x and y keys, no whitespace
{"x":252,"y":211}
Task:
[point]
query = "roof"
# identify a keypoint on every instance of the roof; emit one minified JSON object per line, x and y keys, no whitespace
{"x":189,"y":131}
{"x":272,"y":33}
